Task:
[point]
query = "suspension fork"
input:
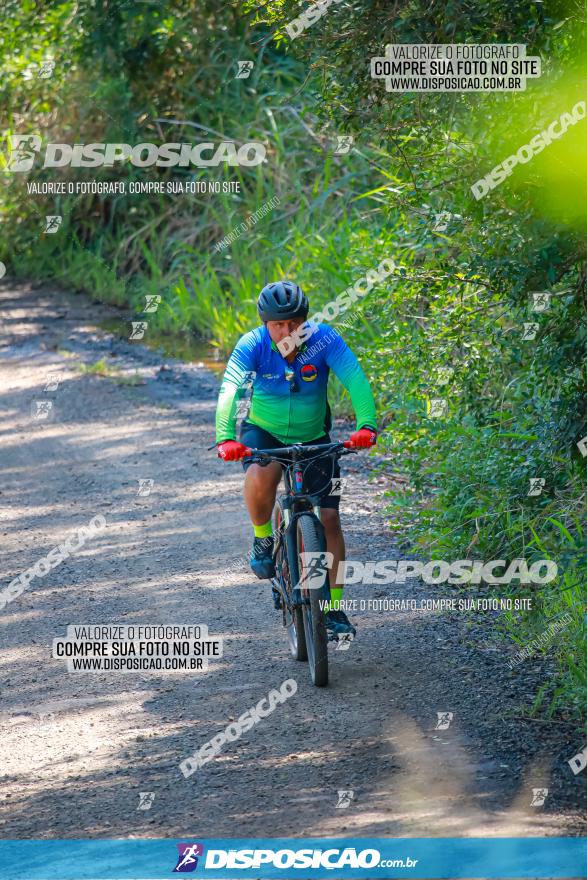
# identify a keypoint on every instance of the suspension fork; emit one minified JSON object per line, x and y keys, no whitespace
{"x":289,"y":539}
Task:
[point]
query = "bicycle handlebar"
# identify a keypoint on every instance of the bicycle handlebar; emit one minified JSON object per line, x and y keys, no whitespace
{"x":299,"y":447}
{"x":322,"y":449}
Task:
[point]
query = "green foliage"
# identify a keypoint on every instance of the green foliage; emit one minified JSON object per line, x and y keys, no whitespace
{"x":448,"y":326}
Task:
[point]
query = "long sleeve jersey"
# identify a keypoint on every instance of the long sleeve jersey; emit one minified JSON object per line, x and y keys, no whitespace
{"x":292,"y":417}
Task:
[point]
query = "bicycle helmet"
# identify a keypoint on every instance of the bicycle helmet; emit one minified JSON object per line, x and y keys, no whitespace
{"x":281,"y":300}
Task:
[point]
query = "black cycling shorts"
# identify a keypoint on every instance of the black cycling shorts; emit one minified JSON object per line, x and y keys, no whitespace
{"x":318,"y":475}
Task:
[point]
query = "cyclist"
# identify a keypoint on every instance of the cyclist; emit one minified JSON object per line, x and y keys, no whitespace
{"x":289,"y":405}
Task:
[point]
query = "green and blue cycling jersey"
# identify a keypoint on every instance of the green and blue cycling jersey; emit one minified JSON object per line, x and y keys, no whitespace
{"x":289,"y":415}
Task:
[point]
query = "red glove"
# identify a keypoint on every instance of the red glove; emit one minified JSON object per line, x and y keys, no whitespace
{"x":232,"y":450}
{"x":363,"y":439}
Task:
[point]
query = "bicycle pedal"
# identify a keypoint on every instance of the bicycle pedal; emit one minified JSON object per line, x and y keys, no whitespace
{"x":277,"y":604}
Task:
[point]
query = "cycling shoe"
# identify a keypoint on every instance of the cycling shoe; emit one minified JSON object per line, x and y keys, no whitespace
{"x":261,"y":558}
{"x":338,"y":624}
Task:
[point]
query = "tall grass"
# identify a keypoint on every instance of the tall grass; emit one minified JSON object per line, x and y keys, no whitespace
{"x":456,"y":304}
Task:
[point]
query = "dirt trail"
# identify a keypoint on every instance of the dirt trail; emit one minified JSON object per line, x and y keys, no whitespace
{"x":79,"y":747}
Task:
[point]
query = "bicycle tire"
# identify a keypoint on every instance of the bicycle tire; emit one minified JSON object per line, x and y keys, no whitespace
{"x":294,"y":621}
{"x":310,"y":540}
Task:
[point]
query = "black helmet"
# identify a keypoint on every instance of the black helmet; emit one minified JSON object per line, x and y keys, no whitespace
{"x":281,"y":300}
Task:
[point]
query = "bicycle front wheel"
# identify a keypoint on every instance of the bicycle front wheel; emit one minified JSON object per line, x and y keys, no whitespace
{"x":292,"y":615}
{"x":313,"y":571}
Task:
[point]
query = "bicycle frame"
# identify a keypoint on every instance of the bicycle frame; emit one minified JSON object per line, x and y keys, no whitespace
{"x":294,"y":497}
{"x":300,"y":531}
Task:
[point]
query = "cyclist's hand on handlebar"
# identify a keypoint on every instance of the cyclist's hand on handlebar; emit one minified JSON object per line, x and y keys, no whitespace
{"x":232,"y":450}
{"x":363,"y":439}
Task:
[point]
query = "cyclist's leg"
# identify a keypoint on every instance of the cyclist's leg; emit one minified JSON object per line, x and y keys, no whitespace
{"x":336,"y":620}
{"x":259,"y":492}
{"x":335,"y":545}
{"x":260,"y":482}
{"x":260,"y":489}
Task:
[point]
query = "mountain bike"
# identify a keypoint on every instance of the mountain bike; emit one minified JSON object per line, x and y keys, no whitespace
{"x":301,"y":570}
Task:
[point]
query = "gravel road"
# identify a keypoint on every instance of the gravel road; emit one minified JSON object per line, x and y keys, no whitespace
{"x":79,"y":748}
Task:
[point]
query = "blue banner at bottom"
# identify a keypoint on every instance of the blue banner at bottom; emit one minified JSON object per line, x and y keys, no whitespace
{"x":303,"y":858}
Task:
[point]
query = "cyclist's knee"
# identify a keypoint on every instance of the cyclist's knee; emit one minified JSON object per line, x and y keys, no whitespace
{"x":264,"y":476}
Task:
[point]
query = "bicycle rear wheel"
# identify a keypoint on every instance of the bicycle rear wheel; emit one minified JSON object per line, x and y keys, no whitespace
{"x":292,"y":615}
{"x":311,"y":541}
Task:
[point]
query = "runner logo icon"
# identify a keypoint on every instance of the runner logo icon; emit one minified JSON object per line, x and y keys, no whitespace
{"x":188,"y":857}
{"x":315,"y":569}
